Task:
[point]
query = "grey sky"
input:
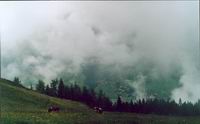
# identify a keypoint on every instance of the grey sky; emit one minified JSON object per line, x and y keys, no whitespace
{"x":165,"y":33}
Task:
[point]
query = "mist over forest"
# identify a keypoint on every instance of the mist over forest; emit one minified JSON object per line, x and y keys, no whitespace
{"x":132,"y":49}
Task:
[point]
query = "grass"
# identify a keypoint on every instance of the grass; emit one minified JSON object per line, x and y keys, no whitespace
{"x":22,"y":106}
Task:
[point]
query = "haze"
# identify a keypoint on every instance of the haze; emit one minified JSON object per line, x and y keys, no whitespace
{"x":130,"y":42}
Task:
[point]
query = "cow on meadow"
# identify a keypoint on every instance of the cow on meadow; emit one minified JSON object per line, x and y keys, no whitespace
{"x":53,"y":109}
{"x":98,"y":110}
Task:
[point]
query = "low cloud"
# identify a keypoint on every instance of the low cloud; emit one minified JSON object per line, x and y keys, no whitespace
{"x":156,"y":40}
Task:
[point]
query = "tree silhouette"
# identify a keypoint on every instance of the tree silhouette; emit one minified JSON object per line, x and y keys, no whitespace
{"x":47,"y":90}
{"x":61,"y":89}
{"x":40,"y":87}
{"x":16,"y":80}
{"x":119,"y":104}
{"x":53,"y":87}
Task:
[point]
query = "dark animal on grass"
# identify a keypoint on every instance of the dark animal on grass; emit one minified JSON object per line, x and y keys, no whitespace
{"x":53,"y":109}
{"x":98,"y":110}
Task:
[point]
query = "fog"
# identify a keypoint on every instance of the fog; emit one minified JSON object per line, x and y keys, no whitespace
{"x":134,"y":42}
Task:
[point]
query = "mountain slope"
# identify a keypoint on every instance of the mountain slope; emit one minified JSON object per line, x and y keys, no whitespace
{"x":20,"y":105}
{"x":15,"y":98}
{"x":23,"y":106}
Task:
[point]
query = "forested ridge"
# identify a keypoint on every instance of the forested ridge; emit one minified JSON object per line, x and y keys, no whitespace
{"x":88,"y":96}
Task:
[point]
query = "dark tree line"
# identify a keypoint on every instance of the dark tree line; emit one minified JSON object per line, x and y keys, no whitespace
{"x":89,"y":97}
{"x":74,"y":92}
{"x":158,"y":106}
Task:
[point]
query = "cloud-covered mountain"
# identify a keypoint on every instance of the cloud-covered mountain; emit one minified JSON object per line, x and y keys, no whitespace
{"x":133,"y":49}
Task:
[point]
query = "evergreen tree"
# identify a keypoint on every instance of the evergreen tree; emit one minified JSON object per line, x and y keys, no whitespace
{"x":77,"y":92}
{"x":61,"y":89}
{"x":16,"y":80}
{"x":100,"y":98}
{"x":47,"y":90}
{"x":119,"y":104}
{"x":93,"y":101}
{"x":40,"y":87}
{"x":67,"y":92}
{"x":180,"y":102}
{"x":71,"y":92}
{"x":53,"y":87}
{"x":85,"y":95}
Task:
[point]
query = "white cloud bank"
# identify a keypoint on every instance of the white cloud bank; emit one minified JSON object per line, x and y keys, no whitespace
{"x":44,"y":39}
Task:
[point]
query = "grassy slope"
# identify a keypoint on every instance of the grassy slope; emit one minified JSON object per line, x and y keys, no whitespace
{"x":22,"y":106}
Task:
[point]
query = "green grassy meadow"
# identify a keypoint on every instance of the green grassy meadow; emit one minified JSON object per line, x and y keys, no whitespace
{"x":22,"y":106}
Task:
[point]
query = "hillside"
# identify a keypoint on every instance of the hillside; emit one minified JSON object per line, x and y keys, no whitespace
{"x":17,"y":102}
{"x":22,"y":106}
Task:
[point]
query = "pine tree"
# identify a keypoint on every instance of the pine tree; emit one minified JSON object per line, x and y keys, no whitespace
{"x":61,"y":89}
{"x":93,"y":98}
{"x":77,"y":92}
{"x":85,"y":95}
{"x":100,"y":98}
{"x":47,"y":90}
{"x":67,"y":92}
{"x":17,"y":81}
{"x":40,"y":86}
{"x":180,"y":102}
{"x":119,"y":104}
{"x":53,"y":87}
